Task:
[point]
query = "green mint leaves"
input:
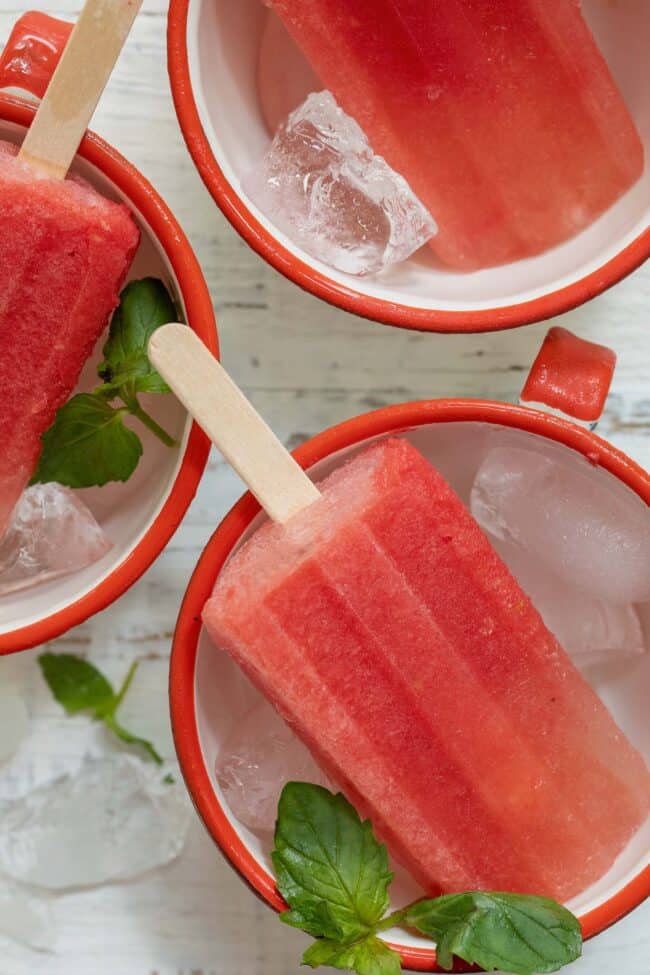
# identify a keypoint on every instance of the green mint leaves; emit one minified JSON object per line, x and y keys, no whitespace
{"x":370,"y":956}
{"x":512,"y":932}
{"x":330,"y":868}
{"x":334,"y":875}
{"x":144,"y":307}
{"x":89,"y":443}
{"x":78,"y":686}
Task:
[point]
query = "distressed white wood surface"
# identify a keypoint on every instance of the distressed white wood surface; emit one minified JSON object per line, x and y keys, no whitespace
{"x":305,"y":366}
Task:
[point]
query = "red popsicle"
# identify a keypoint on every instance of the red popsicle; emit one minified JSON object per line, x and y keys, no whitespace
{"x":503,"y":117}
{"x":64,"y":249}
{"x":64,"y":253}
{"x":388,"y":633}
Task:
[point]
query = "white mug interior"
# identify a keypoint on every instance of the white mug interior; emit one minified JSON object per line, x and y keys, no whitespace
{"x":223,"y":41}
{"x":223,"y":696}
{"x":125,"y":511}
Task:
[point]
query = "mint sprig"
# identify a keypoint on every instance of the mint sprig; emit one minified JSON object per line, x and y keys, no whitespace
{"x":330,"y":868}
{"x":89,"y":444}
{"x":79,"y":686}
{"x":512,"y":932}
{"x":144,"y":306}
{"x":334,"y":875}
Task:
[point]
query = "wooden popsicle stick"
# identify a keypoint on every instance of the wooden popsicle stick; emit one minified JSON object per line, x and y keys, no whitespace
{"x":204,"y":387}
{"x":77,"y":84}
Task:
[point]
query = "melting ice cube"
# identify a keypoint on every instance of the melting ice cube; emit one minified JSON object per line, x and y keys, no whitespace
{"x":592,"y":631}
{"x":112,"y":820}
{"x":580,"y":523}
{"x":323,"y":186}
{"x":14,"y":719}
{"x":25,"y":917}
{"x":52,"y":533}
{"x":259,"y":758}
{"x":14,"y":715}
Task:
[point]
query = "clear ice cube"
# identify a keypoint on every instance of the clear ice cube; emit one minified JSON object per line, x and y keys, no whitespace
{"x":592,"y":631}
{"x":52,"y":533}
{"x":578,"y":521}
{"x":261,"y":755}
{"x":323,"y":186}
{"x":26,"y":917}
{"x":14,"y":719}
{"x":114,"y":819}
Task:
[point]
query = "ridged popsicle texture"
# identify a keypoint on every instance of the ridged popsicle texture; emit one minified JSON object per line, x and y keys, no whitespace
{"x":387,"y":632}
{"x":501,"y":114}
{"x":65,"y":251}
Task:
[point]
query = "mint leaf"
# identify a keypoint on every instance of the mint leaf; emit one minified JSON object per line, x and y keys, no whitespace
{"x":513,"y":932}
{"x":88,"y":444}
{"x":370,"y":956}
{"x":79,"y":686}
{"x":330,"y":868}
{"x":75,"y":683}
{"x":316,"y":918}
{"x":144,"y":306}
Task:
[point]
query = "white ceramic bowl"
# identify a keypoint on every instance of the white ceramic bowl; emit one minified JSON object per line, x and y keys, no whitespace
{"x":209,"y":695}
{"x":213,"y":57}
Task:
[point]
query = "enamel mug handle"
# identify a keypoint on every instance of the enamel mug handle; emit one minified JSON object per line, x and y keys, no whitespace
{"x":570,"y":376}
{"x":32,"y":52}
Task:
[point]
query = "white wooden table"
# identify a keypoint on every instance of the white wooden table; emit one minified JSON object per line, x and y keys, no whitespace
{"x":305,"y":366}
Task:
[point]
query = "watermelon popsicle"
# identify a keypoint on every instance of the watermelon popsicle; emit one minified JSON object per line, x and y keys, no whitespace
{"x":65,"y":250}
{"x":427,"y":686}
{"x":503,"y":117}
{"x":388,"y":634}
{"x":64,"y":253}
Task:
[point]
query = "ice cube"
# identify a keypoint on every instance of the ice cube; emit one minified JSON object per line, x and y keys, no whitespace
{"x":25,"y":917}
{"x":261,"y":755}
{"x":323,"y":186}
{"x":592,"y":631}
{"x":52,"y":533}
{"x":114,"y":819}
{"x":577,"y":520}
{"x":14,"y":719}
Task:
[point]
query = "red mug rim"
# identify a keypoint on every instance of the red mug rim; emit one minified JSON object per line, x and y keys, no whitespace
{"x":315,"y":282}
{"x":387,"y":420}
{"x":200,"y":314}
